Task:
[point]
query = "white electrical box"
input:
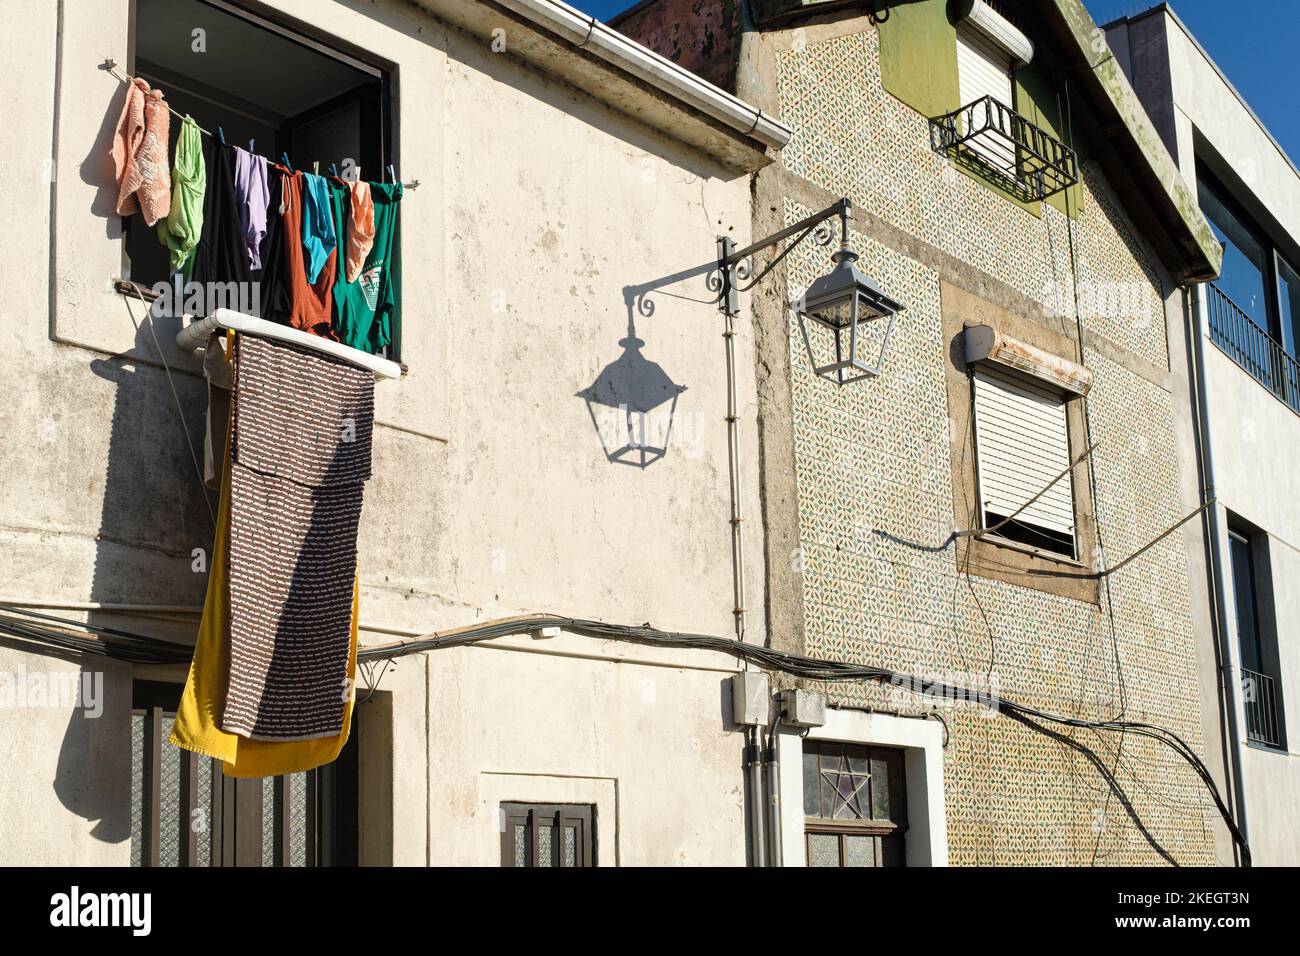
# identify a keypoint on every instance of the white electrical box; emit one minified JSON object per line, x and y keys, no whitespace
{"x":804,"y":708}
{"x":751,"y":692}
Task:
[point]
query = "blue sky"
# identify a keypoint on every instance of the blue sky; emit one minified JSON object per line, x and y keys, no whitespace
{"x":1255,"y":42}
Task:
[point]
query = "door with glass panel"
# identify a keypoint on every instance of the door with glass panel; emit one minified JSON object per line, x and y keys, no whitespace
{"x":185,"y":813}
{"x":855,"y":804}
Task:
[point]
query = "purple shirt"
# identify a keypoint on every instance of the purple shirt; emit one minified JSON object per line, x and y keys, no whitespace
{"x":252,"y":194}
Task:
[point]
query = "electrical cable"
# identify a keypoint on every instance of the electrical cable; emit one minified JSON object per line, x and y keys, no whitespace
{"x":798,"y":665}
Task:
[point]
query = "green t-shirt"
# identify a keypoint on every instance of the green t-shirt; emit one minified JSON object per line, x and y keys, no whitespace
{"x":367,"y":312}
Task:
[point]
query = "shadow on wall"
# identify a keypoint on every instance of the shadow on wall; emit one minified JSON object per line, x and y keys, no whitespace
{"x":633,"y":401}
{"x":153,"y":547}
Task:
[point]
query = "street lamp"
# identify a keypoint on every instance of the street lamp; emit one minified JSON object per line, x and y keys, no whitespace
{"x":844,"y":317}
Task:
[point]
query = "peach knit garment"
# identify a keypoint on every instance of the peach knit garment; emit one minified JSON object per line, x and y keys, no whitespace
{"x":361,"y":228}
{"x":140,"y":154}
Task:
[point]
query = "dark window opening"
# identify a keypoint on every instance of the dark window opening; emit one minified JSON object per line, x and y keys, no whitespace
{"x":1256,"y":637}
{"x":548,"y":834}
{"x":855,"y":804}
{"x":185,"y":813}
{"x":1045,"y":539}
{"x":261,"y":81}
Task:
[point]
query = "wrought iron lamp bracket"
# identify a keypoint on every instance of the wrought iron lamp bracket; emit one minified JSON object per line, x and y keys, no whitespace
{"x":735,"y":271}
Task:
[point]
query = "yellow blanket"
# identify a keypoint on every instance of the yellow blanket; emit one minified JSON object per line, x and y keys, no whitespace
{"x":197,"y":724}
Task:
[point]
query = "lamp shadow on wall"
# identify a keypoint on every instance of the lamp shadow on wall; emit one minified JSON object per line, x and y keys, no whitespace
{"x":633,"y":401}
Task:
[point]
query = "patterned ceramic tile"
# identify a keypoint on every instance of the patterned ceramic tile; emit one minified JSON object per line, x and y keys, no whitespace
{"x":874,"y":478}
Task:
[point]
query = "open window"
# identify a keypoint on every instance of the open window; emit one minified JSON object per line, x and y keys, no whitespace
{"x":1252,"y":591}
{"x":262,"y":81}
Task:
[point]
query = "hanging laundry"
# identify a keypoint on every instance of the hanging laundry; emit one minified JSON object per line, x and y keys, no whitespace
{"x":319,"y":236}
{"x":361,"y":227}
{"x":300,"y":455}
{"x":310,"y":303}
{"x":140,"y":154}
{"x":197,"y":717}
{"x":180,"y":231}
{"x":252,"y":195}
{"x":276,"y":295}
{"x":221,"y":256}
{"x":368,"y":310}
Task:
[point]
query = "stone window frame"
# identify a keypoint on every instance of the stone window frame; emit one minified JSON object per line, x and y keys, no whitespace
{"x":995,"y":558}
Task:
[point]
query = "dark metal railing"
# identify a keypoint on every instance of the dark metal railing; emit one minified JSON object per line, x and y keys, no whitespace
{"x":1250,"y":346}
{"x":990,"y":136}
{"x":1259,"y":691}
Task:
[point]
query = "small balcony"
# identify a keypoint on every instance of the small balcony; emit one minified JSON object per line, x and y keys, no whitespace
{"x":993,"y":141}
{"x":1259,"y":692}
{"x":1259,"y":354}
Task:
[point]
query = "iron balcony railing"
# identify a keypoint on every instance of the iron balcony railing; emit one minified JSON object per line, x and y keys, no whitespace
{"x":1251,"y":347}
{"x":1259,"y":691}
{"x":991,"y":138}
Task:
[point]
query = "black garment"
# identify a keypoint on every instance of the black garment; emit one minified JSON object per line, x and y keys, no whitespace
{"x":275,"y":294}
{"x":221,"y":255}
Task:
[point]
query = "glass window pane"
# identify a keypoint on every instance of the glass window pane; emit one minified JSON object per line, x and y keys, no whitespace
{"x":823,"y":849}
{"x":811,"y":776}
{"x":1243,"y":586}
{"x":171,"y":807}
{"x":1243,"y":276}
{"x":298,"y":819}
{"x":201,"y":822}
{"x":859,"y":851}
{"x":521,"y":845}
{"x":879,"y":788}
{"x":268,"y":821}
{"x":1289,"y":295}
{"x":137,"y":789}
{"x":545,"y":846}
{"x":570,"y":846}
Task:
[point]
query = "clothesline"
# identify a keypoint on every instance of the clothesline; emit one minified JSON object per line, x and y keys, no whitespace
{"x":110,"y":65}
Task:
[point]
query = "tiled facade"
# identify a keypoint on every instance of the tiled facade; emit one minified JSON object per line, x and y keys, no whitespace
{"x":874,"y":466}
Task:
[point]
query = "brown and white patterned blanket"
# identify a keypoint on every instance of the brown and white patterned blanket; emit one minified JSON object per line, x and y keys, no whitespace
{"x":300,"y":456}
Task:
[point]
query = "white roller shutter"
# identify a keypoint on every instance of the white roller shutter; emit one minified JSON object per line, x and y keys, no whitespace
{"x":1022,"y":443}
{"x":984,"y":69}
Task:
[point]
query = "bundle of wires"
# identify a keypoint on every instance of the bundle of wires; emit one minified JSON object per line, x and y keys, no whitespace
{"x":53,"y":631}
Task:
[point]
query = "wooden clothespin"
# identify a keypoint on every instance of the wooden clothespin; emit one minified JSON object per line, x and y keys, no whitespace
{"x":315,"y":167}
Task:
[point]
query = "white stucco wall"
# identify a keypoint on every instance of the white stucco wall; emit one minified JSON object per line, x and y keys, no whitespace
{"x":537,"y":207}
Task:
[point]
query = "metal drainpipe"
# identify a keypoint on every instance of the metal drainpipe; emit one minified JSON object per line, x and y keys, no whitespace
{"x":772,"y":758}
{"x":754,"y":766}
{"x":1214,"y":553}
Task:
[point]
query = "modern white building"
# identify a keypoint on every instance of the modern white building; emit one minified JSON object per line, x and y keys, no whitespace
{"x":1243,"y":359}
